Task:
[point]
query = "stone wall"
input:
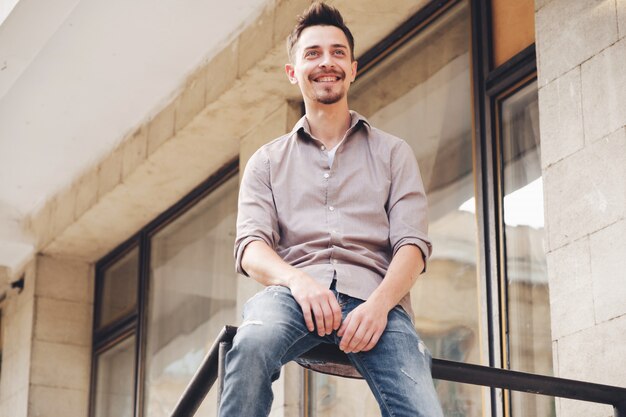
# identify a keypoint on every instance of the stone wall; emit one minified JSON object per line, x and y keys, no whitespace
{"x":47,"y":349}
{"x":581,"y":52}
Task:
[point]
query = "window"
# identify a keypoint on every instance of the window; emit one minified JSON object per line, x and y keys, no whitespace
{"x":115,"y":336}
{"x":115,"y":380}
{"x":526,"y":295}
{"x":161,"y":299}
{"x":192,"y":295}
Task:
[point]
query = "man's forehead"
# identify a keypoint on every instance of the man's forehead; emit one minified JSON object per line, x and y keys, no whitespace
{"x":322,"y":36}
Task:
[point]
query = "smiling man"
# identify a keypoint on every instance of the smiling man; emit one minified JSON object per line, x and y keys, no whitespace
{"x":332,"y":220}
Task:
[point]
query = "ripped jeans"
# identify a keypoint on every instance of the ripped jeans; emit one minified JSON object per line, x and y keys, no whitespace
{"x":273,"y":333}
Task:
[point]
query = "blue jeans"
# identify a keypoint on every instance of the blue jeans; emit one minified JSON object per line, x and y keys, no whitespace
{"x":273,"y":333}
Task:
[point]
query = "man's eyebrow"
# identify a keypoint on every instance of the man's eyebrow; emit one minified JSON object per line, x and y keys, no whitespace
{"x":335,"y":45}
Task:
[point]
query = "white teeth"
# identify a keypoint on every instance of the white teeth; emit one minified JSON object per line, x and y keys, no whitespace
{"x":326,"y":79}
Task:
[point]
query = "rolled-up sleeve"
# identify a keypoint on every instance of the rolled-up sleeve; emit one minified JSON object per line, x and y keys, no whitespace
{"x":407,"y":208}
{"x":256,"y":215}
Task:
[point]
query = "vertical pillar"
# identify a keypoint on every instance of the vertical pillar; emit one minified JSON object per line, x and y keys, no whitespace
{"x":61,"y":338}
{"x":17,"y":327}
{"x":582,"y":115}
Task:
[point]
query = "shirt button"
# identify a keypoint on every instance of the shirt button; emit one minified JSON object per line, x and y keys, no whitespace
{"x":335,"y":261}
{"x":326,"y":175}
{"x":334,"y":232}
{"x":331,"y":208}
{"x":323,"y":147}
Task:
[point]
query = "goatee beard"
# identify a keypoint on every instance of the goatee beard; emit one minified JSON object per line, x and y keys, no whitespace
{"x":330,"y":99}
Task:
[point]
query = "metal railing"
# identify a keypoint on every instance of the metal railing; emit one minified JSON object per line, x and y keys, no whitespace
{"x":212,"y":369}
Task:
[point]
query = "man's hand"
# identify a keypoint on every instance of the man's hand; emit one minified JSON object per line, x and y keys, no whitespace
{"x":317,"y":303}
{"x":363,"y":327}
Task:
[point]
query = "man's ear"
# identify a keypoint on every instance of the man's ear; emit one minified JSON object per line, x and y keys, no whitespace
{"x":290,"y":70}
{"x":354,"y":67}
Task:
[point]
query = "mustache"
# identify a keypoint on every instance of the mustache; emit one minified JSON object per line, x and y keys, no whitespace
{"x":340,"y":74}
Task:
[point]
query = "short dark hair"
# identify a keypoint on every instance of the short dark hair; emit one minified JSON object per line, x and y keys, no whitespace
{"x":318,"y":14}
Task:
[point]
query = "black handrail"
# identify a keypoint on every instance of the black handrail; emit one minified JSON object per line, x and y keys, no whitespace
{"x":446,"y":370}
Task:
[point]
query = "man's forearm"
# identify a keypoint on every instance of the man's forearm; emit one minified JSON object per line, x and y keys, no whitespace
{"x":403,"y":271}
{"x":264,"y":265}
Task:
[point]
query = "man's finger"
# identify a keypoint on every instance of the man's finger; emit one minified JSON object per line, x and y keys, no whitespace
{"x":364,"y":341}
{"x":358,"y":339}
{"x":319,"y":318}
{"x":328,"y":319}
{"x":348,"y":335}
{"x":372,"y":342}
{"x":336,"y":310}
{"x":308,"y":319}
{"x":344,"y":325}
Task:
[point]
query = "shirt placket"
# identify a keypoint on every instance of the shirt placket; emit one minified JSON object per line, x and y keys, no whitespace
{"x":332,"y":211}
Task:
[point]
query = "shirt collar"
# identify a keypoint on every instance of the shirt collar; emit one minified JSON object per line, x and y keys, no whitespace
{"x":303,"y":124}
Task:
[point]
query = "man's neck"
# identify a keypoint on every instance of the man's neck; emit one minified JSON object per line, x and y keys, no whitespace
{"x":329,"y":122}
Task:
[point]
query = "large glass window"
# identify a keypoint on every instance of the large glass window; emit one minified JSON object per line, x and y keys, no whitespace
{"x":422,"y":93}
{"x":192,"y":295}
{"x":149,"y":343}
{"x":527,"y":296}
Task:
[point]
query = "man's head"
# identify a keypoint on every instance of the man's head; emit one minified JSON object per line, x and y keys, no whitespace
{"x":321,"y":56}
{"x":318,"y":14}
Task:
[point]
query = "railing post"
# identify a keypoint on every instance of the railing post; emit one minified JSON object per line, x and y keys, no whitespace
{"x":221,"y":369}
{"x":620,"y":409}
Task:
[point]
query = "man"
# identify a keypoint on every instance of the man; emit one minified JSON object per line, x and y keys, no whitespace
{"x":332,"y":219}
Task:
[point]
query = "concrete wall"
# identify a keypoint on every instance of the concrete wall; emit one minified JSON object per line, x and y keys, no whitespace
{"x":47,"y":349}
{"x":17,"y":323}
{"x":581,"y":49}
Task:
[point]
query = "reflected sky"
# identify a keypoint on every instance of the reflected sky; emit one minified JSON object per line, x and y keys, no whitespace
{"x":523,"y":207}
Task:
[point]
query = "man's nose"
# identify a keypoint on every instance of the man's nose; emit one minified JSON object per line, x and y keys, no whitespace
{"x":327,"y":61}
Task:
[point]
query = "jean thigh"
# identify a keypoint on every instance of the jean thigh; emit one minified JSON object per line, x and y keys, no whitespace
{"x":273,"y":319}
{"x":398,"y":370}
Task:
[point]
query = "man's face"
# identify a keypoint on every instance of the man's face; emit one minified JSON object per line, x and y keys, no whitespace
{"x":322,"y":67}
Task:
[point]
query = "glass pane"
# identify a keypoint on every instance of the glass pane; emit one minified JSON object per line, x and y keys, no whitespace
{"x":422,"y":93}
{"x":192,"y":296}
{"x":530,"y":347}
{"x":115,"y":385}
{"x":118,"y":295}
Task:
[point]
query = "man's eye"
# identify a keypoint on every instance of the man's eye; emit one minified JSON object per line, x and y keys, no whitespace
{"x":310,"y":53}
{"x":340,"y":52}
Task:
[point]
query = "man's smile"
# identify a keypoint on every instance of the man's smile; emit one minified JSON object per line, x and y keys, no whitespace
{"x":326,"y":77}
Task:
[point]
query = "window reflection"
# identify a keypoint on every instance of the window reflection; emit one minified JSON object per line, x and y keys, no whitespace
{"x":192,"y":295}
{"x":528,"y":308}
{"x":422,"y":94}
{"x":115,"y":385}
{"x":118,"y":296}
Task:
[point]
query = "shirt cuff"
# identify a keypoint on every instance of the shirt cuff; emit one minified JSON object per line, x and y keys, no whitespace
{"x":424,"y":247}
{"x":241,"y":247}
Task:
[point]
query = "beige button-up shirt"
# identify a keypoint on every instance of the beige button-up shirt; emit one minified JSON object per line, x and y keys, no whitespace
{"x":344,"y":221}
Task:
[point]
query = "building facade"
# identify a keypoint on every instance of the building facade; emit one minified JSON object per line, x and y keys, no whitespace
{"x":516,"y":113}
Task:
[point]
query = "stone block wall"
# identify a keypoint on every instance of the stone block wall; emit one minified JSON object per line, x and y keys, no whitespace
{"x":17,"y":323}
{"x":581,"y":55}
{"x":47,"y":341}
